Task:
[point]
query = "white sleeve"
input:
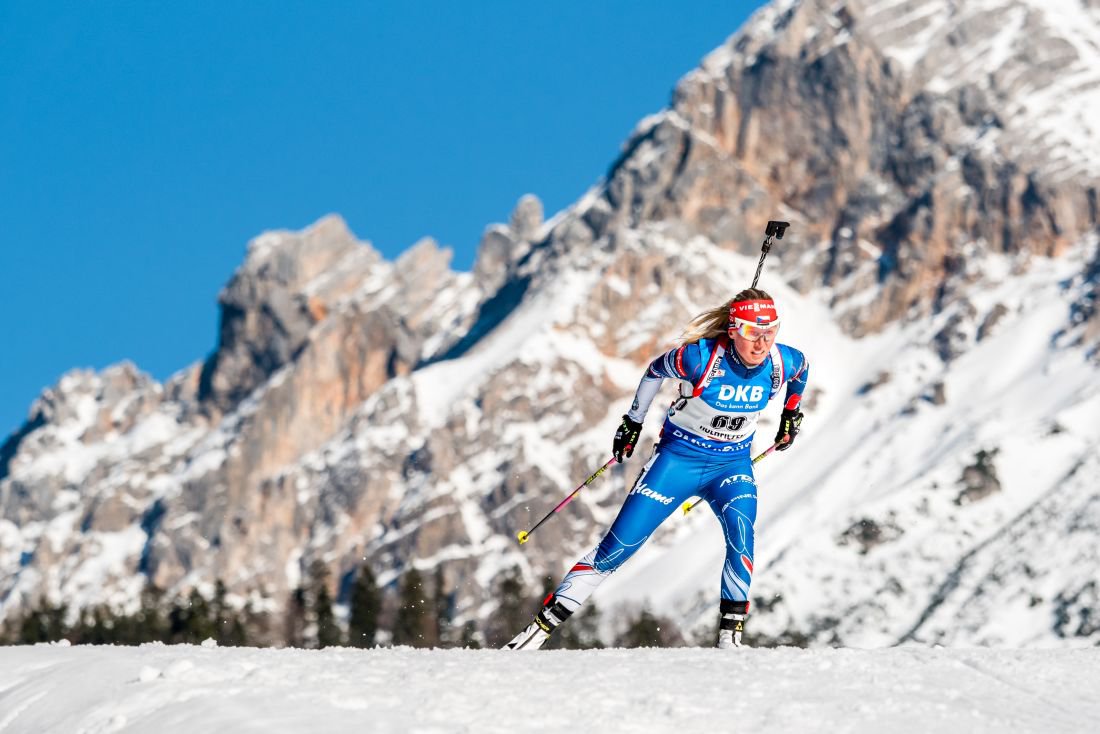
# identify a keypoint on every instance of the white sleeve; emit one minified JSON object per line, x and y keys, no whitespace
{"x":647,"y":390}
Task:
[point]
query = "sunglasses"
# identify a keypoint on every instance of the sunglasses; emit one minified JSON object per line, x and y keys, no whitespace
{"x":752,"y":332}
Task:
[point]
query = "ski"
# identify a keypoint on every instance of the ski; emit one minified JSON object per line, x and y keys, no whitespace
{"x":531,"y":638}
{"x":538,"y":632}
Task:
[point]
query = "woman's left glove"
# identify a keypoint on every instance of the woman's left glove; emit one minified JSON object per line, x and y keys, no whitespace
{"x":626,"y":438}
{"x":789,"y":424}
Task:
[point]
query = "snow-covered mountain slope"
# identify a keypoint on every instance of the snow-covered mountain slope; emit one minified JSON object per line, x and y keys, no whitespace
{"x":184,"y":689}
{"x":941,"y":272}
{"x":1037,"y":60}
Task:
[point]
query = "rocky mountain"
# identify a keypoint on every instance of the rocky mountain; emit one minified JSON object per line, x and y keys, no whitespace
{"x":941,"y":272}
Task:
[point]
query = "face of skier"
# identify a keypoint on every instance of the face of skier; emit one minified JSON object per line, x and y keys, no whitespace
{"x":753,"y":342}
{"x":753,"y":326}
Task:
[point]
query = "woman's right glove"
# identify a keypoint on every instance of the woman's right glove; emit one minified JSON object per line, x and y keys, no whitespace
{"x":626,"y":438}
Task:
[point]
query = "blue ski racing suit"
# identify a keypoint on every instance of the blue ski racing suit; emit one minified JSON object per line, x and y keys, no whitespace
{"x":703,"y":452}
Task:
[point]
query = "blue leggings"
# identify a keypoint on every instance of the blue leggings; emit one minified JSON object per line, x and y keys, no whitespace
{"x":671,"y":476}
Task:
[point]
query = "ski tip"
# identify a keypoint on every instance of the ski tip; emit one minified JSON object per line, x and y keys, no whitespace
{"x":521,"y":536}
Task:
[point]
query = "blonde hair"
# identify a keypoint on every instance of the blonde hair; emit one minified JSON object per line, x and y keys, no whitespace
{"x":715,"y":322}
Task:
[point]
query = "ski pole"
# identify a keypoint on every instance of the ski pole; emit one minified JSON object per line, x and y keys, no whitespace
{"x":689,"y":505}
{"x":774,"y":228}
{"x":522,"y":535}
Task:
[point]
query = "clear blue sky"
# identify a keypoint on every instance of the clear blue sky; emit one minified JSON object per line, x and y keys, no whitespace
{"x":143,"y":144}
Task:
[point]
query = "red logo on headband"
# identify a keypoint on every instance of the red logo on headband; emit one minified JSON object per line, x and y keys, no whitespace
{"x":757,"y":311}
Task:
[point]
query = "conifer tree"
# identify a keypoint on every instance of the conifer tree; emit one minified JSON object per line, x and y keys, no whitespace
{"x":471,"y":638}
{"x":366,"y":605}
{"x":92,"y":628}
{"x":643,"y":631}
{"x":230,"y":629}
{"x":257,"y":626}
{"x":190,"y":620}
{"x":582,"y":632}
{"x":515,"y":610}
{"x":412,"y":611}
{"x":294,"y":619}
{"x":43,"y":624}
{"x":327,"y":632}
{"x":149,"y":623}
{"x":440,"y":617}
{"x":648,"y":630}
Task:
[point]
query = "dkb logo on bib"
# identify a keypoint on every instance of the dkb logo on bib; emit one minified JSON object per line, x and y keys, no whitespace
{"x":741,"y":393}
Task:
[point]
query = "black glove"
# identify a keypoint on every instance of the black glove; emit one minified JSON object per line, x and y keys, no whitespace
{"x":789,"y":424}
{"x":626,"y":438}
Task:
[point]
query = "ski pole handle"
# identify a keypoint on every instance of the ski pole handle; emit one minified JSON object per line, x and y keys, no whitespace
{"x":774,"y":229}
{"x":689,"y":505}
{"x":523,"y":535}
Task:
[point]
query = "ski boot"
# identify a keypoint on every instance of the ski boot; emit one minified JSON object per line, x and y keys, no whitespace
{"x":732,"y":624}
{"x":538,"y":632}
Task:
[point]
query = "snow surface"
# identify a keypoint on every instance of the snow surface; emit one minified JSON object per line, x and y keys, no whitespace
{"x":188,"y":689}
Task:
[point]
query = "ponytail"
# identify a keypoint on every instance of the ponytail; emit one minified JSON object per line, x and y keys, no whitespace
{"x":715,"y":322}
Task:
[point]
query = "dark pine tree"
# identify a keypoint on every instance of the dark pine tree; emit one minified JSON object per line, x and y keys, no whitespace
{"x":440,"y":617}
{"x":93,"y":627}
{"x":366,"y":605}
{"x":230,"y":627}
{"x":581,"y":632}
{"x":648,"y":630}
{"x":190,"y":620}
{"x":149,"y":623}
{"x":411,"y":619}
{"x":294,"y":619}
{"x":258,"y":626}
{"x":470,"y":638}
{"x":515,"y":611}
{"x":320,"y":601}
{"x":46,"y":623}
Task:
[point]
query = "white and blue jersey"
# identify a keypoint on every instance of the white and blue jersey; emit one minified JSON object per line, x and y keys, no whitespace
{"x":703,"y":452}
{"x":722,"y":417}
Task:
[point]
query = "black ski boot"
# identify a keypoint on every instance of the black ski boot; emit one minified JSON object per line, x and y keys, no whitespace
{"x":732,"y":624}
{"x":538,"y":632}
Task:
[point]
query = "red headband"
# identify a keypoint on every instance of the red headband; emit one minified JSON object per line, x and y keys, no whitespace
{"x":758,"y":311}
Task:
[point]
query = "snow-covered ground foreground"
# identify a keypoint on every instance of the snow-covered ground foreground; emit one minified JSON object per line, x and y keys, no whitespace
{"x":188,"y":689}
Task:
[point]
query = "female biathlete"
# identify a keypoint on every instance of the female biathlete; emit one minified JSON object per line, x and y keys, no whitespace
{"x":730,"y":367}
